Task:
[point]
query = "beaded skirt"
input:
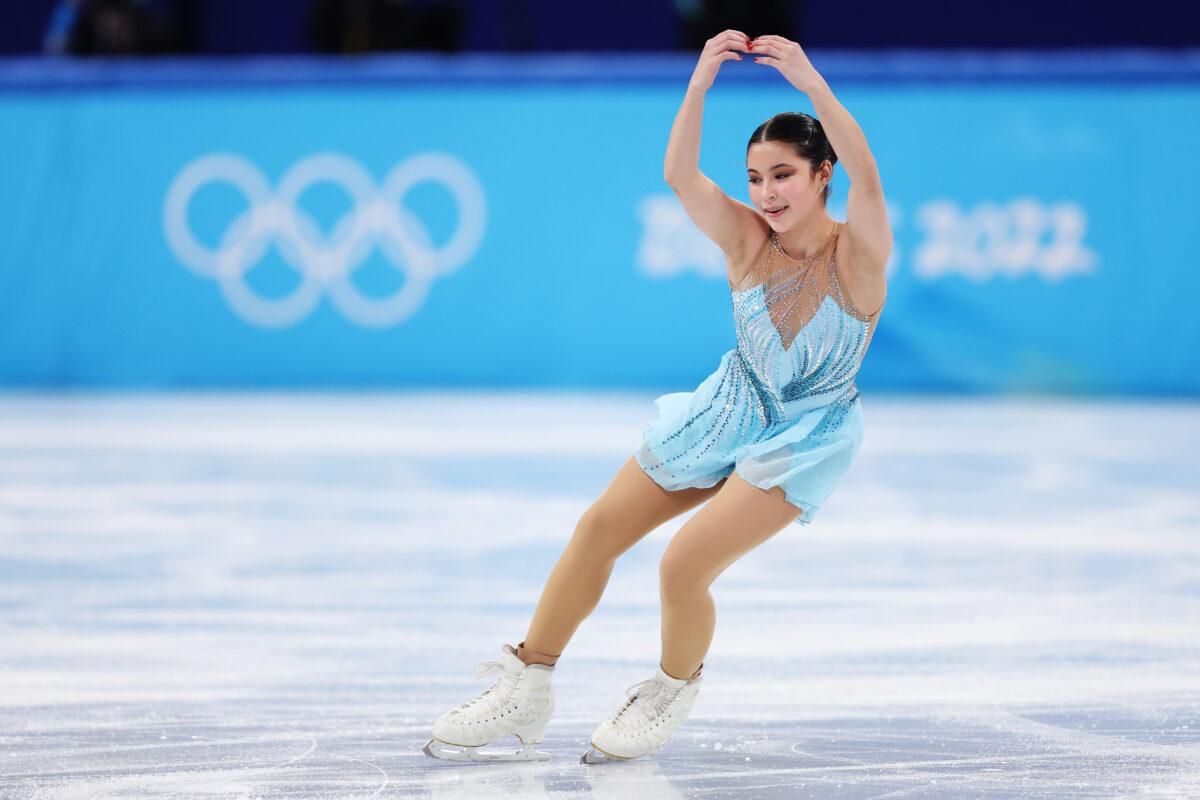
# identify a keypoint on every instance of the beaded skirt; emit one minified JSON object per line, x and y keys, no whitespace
{"x":782,"y":408}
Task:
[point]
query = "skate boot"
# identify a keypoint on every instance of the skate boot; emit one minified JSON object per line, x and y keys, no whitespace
{"x":655,"y":709}
{"x":519,"y":703}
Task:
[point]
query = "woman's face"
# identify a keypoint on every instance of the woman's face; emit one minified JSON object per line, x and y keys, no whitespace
{"x":781,"y":180}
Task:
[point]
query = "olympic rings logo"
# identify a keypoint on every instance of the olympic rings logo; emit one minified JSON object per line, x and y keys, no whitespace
{"x":378,"y":218}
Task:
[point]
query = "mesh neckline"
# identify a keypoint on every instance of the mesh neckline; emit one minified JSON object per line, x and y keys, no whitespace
{"x":773,"y":240}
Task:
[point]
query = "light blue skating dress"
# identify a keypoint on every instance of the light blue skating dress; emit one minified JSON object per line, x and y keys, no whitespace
{"x":782,"y":408}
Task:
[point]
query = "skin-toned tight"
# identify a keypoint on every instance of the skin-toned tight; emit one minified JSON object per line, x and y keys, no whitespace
{"x":738,"y":518}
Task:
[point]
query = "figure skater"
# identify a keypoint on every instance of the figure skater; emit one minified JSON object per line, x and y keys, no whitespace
{"x":766,"y":436}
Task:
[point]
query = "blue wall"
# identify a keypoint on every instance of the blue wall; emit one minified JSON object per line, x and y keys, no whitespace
{"x":503,"y":222}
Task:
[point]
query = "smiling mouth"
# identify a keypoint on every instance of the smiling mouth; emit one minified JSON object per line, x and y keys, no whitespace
{"x":774,"y":210}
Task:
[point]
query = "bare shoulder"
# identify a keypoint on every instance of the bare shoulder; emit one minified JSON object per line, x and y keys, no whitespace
{"x":754,"y":236}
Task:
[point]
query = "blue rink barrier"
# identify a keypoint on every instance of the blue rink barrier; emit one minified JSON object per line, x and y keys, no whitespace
{"x":502,"y":221}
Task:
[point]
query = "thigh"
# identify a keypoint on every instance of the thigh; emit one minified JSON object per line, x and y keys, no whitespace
{"x":632,"y":506}
{"x":739,"y":518}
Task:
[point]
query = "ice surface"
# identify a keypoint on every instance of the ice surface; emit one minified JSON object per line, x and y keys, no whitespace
{"x":243,"y":596}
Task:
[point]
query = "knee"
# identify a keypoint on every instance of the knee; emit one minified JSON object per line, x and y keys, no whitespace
{"x":596,"y":534}
{"x":680,"y":575}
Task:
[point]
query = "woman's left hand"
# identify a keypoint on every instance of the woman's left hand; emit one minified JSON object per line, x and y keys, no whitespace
{"x":787,"y":57}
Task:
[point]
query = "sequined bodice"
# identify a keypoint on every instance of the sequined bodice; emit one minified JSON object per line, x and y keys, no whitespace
{"x":800,"y":338}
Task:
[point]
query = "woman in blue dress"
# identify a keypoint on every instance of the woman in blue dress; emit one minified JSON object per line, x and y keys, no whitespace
{"x":764,"y":439}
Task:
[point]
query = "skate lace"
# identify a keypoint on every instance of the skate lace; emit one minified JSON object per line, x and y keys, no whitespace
{"x":492,"y":696}
{"x":484,"y":668}
{"x":649,"y":697}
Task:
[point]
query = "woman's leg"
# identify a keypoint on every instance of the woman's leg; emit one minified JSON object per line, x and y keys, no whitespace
{"x":631,"y":507}
{"x":739,"y":518}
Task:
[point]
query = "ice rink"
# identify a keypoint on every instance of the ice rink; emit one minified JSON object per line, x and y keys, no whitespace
{"x":273,"y":595}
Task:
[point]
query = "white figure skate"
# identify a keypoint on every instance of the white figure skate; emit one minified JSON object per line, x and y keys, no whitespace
{"x":519,"y":703}
{"x":655,"y":709}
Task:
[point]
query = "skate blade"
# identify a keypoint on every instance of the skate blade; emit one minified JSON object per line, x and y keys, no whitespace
{"x":436,"y":748}
{"x":595,"y":756}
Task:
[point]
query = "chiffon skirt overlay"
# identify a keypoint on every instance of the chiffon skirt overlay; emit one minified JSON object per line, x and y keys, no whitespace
{"x":730,"y":424}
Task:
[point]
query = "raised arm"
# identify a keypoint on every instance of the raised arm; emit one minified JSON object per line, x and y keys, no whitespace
{"x":867,"y":227}
{"x":718,"y":216}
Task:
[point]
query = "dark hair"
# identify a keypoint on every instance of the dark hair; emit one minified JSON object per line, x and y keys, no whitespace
{"x":802,"y":132}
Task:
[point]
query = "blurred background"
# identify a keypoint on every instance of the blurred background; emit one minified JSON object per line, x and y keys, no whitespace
{"x":428,"y":159}
{"x":226,"y":27}
{"x":322,"y":322}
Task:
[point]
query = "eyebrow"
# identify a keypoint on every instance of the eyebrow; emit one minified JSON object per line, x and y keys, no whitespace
{"x":777,"y":166}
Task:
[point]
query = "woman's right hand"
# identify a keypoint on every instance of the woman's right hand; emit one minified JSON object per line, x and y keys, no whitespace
{"x":717,"y":50}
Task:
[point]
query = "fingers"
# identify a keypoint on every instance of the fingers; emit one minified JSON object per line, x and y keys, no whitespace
{"x":721,"y":49}
{"x":762,"y":48}
{"x":728,"y":40}
{"x":737,"y":41}
{"x":774,"y":45}
{"x":728,"y":36}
